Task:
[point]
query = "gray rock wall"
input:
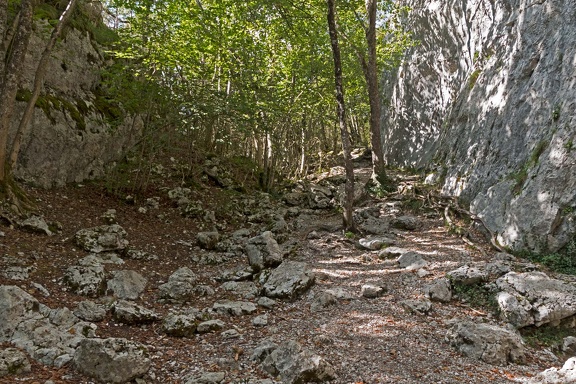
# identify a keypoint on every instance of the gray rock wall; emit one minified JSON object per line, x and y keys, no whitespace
{"x":72,"y":140}
{"x":489,"y":97}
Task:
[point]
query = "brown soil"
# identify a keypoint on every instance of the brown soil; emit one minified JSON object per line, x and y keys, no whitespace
{"x":366,"y":340}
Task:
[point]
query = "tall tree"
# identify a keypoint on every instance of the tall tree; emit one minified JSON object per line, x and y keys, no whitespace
{"x":345,"y":136}
{"x":10,"y":77}
{"x":371,"y":74}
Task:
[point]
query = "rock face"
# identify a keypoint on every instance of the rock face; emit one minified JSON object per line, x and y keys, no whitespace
{"x":487,"y":98}
{"x":78,"y":133}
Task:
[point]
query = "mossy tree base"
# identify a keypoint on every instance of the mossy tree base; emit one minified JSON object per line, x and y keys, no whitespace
{"x":14,"y":199}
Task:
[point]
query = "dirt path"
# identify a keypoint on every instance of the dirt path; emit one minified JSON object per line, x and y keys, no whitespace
{"x":367,"y":340}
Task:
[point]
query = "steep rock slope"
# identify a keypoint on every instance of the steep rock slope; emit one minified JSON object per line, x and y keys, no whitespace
{"x":488,"y":97}
{"x":75,"y":130}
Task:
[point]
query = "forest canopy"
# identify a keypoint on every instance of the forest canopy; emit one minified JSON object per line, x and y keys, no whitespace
{"x":251,"y":78}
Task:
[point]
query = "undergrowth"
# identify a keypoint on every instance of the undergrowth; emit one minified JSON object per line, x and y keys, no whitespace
{"x":546,"y":336}
{"x":478,"y":296}
{"x":563,"y":261}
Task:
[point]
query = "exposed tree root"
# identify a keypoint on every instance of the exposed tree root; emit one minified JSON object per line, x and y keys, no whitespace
{"x":15,"y":202}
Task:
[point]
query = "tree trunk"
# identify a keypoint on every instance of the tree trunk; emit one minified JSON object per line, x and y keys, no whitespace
{"x":38,"y":83}
{"x":346,"y":146}
{"x":371,"y":74}
{"x":3,"y":32}
{"x":10,"y":80}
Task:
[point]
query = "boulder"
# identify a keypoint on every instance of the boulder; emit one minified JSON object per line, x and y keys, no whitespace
{"x":13,"y":362}
{"x":47,"y":335}
{"x":126,"y":284}
{"x":260,"y":321}
{"x":179,"y":325}
{"x":205,"y":378}
{"x":140,"y":255}
{"x":322,"y":301}
{"x":246,"y":289}
{"x":36,"y":224}
{"x":90,"y":311}
{"x":411,"y":261}
{"x":86,"y":280}
{"x":289,"y":280}
{"x":263,"y":251}
{"x":408,"y":223}
{"x":391,"y":252}
{"x":294,"y":364}
{"x":420,"y":307}
{"x":489,"y":343}
{"x":210,"y":326}
{"x":112,"y":360}
{"x":375,"y":225}
{"x":564,"y":375}
{"x":376,"y":243}
{"x":533,"y":298}
{"x":372,"y":291}
{"x":127,"y":312}
{"x":234,"y":308}
{"x":467,"y":275}
{"x":179,"y":288}
{"x":207,"y":240}
{"x":439,"y":290}
{"x":102,"y":239}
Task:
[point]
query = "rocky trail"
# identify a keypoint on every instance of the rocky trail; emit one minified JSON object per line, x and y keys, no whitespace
{"x":209,"y":285}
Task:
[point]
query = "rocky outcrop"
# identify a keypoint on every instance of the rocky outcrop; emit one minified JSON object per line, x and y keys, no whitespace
{"x":75,"y":130}
{"x":487,"y":99}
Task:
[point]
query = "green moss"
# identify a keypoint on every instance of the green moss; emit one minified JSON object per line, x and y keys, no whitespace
{"x":474,"y":78}
{"x":48,"y":103}
{"x":521,"y":176}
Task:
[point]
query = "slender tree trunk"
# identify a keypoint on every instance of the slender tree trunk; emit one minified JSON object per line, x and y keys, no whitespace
{"x":10,"y":79}
{"x":3,"y":32}
{"x":346,"y":146}
{"x":371,"y":74}
{"x":38,"y":83}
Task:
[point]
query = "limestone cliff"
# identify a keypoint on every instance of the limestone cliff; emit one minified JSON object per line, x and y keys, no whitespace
{"x":488,"y":99}
{"x":75,"y":131}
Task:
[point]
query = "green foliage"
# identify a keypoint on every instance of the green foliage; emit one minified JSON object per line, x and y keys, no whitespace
{"x":563,"y":261}
{"x":556,"y":112}
{"x":546,"y":336}
{"x":479,"y":296}
{"x":246,"y":77}
{"x":569,"y":146}
{"x":473,"y":78}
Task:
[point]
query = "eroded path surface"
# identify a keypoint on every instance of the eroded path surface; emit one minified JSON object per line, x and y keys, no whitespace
{"x":366,"y":314}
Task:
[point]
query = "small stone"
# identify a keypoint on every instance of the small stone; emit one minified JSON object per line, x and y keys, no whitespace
{"x":260,"y":321}
{"x":267,"y":302}
{"x":411,"y":261}
{"x":210,"y":326}
{"x":439,"y":290}
{"x":230,"y":334}
{"x":391,"y":252}
{"x":372,"y":291}
{"x":421,"y":307}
